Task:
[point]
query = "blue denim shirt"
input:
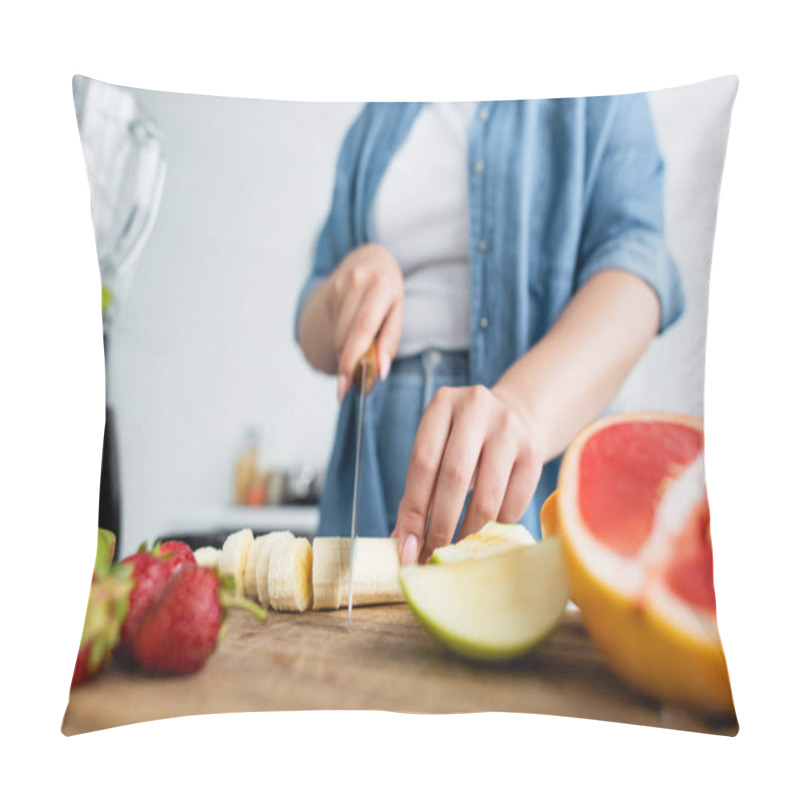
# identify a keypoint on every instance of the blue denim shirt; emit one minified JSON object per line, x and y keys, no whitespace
{"x":558,"y":191}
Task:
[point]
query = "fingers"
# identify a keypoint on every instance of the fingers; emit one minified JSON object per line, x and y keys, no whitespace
{"x":423,"y":467}
{"x":465,"y":434}
{"x":389,"y":337}
{"x":521,"y":485}
{"x":349,"y":307}
{"x":364,"y":327}
{"x":368,"y":306}
{"x":491,"y":484}
{"x":453,"y":481}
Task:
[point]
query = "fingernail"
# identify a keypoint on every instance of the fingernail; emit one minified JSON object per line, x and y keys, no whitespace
{"x":341,"y":384}
{"x":386,"y":364}
{"x":410,"y":550}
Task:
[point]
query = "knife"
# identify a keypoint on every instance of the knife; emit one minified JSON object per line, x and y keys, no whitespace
{"x":364,"y":377}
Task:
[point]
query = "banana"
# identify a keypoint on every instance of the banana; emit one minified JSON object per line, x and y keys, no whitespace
{"x":207,"y":557}
{"x":331,"y":563}
{"x":262,"y":565}
{"x":290,"y":575}
{"x":250,"y":585}
{"x":375,"y":579}
{"x":233,"y":558}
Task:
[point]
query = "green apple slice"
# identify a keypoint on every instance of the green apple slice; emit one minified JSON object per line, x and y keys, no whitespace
{"x":491,"y":608}
{"x":491,"y":539}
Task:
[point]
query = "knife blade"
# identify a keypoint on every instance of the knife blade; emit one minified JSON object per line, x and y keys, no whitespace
{"x":364,"y":378}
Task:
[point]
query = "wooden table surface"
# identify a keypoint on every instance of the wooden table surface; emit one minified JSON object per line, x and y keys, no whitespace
{"x":386,"y":662}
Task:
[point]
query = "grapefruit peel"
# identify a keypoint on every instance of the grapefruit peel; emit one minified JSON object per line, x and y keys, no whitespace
{"x":634,"y":604}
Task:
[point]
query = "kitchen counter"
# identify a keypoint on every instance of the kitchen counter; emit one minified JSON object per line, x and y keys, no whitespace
{"x":212,"y":524}
{"x":386,"y":661}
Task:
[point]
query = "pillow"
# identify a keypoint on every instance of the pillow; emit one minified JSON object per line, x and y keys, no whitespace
{"x":228,"y":468}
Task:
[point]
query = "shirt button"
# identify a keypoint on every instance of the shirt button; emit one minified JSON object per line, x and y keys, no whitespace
{"x":484,"y":323}
{"x":482,"y":245}
{"x":477,"y":167}
{"x":484,"y":114}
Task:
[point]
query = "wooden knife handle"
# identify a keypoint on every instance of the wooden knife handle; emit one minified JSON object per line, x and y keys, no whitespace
{"x":366,"y":371}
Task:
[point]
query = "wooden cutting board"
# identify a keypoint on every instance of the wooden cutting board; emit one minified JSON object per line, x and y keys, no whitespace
{"x":386,"y":662}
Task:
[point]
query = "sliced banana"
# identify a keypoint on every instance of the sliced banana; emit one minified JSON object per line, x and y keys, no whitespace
{"x":250,"y":585}
{"x":375,"y":578}
{"x":290,"y":585}
{"x":331,"y":562}
{"x":262,"y":564}
{"x":207,"y":557}
{"x":233,"y":557}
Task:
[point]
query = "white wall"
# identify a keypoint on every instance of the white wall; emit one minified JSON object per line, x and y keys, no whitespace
{"x":692,"y":128}
{"x":203,"y":344}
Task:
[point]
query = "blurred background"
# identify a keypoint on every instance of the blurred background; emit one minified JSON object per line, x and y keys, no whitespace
{"x":219,"y":423}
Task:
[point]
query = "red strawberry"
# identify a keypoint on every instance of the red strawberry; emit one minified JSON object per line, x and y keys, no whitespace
{"x":150,"y":576}
{"x":183,"y":627}
{"x":82,"y":672}
{"x":176,"y":553}
{"x":105,"y":612}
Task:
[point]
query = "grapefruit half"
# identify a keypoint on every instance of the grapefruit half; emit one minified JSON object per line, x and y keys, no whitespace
{"x":632,"y":512}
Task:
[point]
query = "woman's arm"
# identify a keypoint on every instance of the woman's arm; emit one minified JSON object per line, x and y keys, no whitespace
{"x":578,"y":367}
{"x":498,"y":439}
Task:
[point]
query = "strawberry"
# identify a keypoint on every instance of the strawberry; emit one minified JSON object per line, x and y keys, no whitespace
{"x":150,"y":575}
{"x":176,"y":553}
{"x":152,"y":569}
{"x":82,"y":671}
{"x":105,"y":612}
{"x":182,"y":629}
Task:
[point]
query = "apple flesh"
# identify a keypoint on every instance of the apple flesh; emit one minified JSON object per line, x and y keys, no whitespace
{"x":492,"y":608}
{"x":492,"y":538}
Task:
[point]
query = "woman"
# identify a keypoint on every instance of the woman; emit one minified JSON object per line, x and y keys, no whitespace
{"x":508,"y":258}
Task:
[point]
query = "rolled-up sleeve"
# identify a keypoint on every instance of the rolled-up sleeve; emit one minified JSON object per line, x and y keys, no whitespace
{"x":624,"y":219}
{"x":337,"y":237}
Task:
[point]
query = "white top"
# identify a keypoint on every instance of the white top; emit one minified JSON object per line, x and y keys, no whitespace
{"x":421,"y":215}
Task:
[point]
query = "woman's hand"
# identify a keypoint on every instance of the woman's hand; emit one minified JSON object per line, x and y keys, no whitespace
{"x":467,"y":437}
{"x":365,"y":302}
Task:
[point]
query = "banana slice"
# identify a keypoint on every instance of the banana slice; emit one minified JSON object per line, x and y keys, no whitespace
{"x":233,"y":557}
{"x":331,"y":563}
{"x":207,"y":557}
{"x":262,"y":564}
{"x":375,"y":580}
{"x":290,"y":575}
{"x":250,"y":584}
